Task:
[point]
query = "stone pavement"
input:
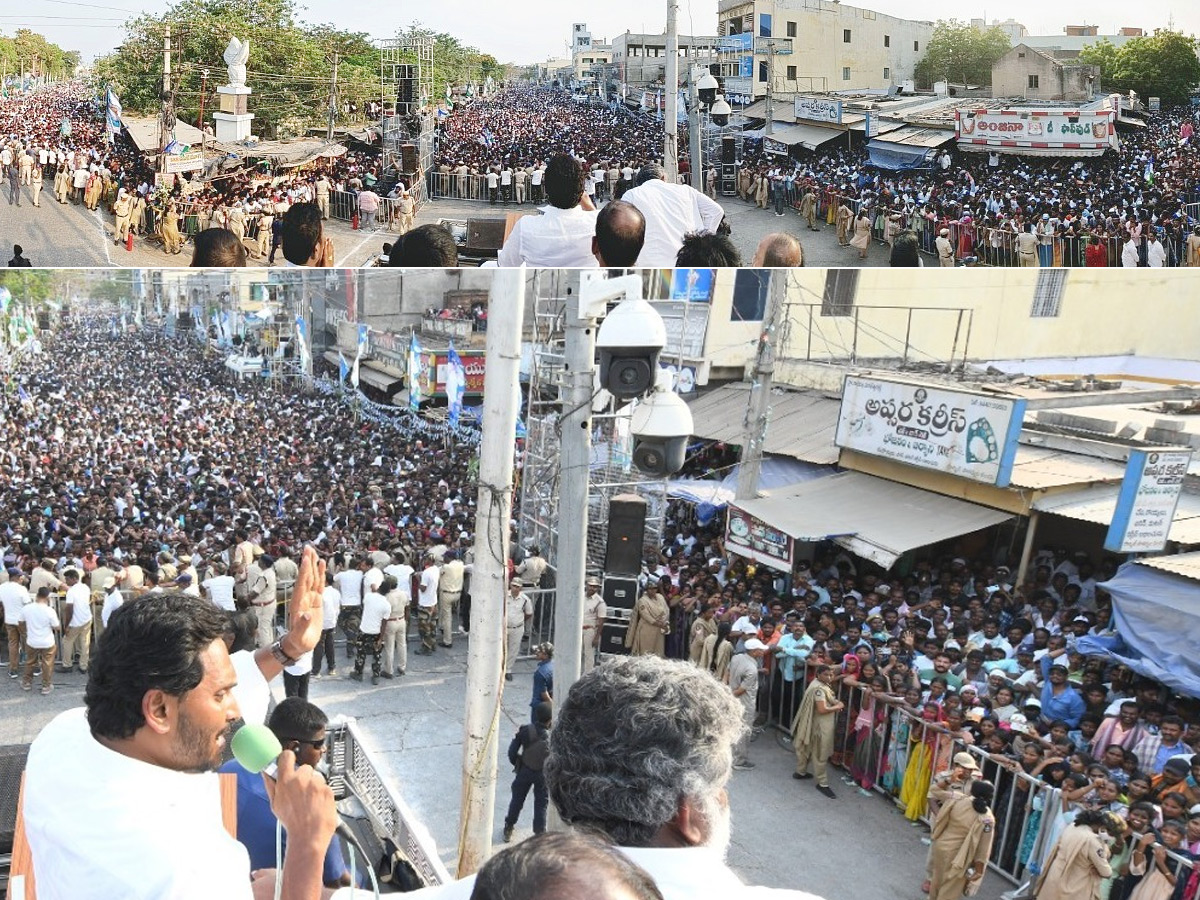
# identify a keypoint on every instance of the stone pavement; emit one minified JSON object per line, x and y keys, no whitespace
{"x":785,"y":834}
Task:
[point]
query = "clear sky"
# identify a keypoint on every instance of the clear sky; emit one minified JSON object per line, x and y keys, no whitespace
{"x":532,"y":30}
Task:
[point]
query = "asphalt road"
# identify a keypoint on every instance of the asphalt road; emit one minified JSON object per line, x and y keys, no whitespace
{"x":785,"y":834}
{"x":52,"y":234}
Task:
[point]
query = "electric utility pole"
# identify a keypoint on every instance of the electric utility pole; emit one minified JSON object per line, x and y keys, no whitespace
{"x":168,"y":113}
{"x":332,"y":99}
{"x":485,"y":658}
{"x":671,"y":95}
{"x":754,"y":430}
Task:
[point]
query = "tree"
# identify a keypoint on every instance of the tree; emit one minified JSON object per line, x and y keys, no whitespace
{"x":1163,"y":64}
{"x":961,"y":53}
{"x":29,"y":51}
{"x":30,"y":286}
{"x":1103,"y":53}
{"x":290,"y":66}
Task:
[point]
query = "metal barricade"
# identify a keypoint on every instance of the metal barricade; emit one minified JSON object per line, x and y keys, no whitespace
{"x":541,"y":627}
{"x":352,"y":771}
{"x":454,"y":186}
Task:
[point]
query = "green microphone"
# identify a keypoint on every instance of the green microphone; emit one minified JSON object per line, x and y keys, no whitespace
{"x":256,"y":748}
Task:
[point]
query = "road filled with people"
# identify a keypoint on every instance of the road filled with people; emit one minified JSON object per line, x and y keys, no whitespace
{"x":55,"y":146}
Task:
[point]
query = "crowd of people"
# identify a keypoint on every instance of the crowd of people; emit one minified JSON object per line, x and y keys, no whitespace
{"x":1148,"y":188}
{"x":947,"y":669}
{"x":55,"y":137}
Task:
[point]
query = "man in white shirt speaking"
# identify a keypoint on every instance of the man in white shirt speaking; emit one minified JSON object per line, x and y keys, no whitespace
{"x":135,"y":766}
{"x":562,"y":235}
{"x":671,"y":211}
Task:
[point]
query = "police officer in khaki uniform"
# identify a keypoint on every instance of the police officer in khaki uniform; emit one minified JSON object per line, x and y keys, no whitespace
{"x":595,"y":611}
{"x":813,"y":729}
{"x":122,"y":209}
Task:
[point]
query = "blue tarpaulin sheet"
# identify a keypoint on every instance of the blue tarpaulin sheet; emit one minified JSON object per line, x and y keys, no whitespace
{"x":895,"y":157}
{"x":1157,"y":618}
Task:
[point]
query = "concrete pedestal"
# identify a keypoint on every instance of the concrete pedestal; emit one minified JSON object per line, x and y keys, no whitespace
{"x":233,"y":121}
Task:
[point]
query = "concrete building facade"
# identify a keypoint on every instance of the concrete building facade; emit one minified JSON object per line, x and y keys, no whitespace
{"x":1037,"y":75}
{"x":833,"y":46}
{"x":640,"y":60}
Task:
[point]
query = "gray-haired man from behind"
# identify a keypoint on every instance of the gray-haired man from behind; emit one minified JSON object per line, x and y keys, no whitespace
{"x":642,"y":753}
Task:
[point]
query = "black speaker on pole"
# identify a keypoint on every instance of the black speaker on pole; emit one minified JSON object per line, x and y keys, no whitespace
{"x":728,"y":150}
{"x":626,"y":535}
{"x":43,"y":320}
{"x":185,"y":322}
{"x":404,"y":86}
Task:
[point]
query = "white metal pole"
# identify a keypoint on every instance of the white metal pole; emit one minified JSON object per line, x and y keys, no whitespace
{"x":755,"y":426}
{"x":485,"y":659}
{"x":575,"y":450}
{"x":671,"y":90}
{"x":695,"y":144}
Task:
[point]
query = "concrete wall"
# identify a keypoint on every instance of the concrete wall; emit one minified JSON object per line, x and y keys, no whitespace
{"x":820,"y":52}
{"x":1102,"y":313}
{"x":1010,"y":77}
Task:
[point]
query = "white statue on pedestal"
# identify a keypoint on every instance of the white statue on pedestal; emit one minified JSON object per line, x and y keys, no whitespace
{"x":235,"y":58}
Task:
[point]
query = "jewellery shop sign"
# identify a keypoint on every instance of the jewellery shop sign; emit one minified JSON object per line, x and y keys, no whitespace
{"x":965,"y":433}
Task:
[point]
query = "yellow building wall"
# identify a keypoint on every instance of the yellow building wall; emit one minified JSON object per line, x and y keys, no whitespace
{"x":979,"y":313}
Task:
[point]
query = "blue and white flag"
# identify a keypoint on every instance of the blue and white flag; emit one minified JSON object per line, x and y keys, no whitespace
{"x":113,"y":112}
{"x":414,"y":374}
{"x":343,"y":367}
{"x":302,"y":342}
{"x":456,"y":384}
{"x":5,"y":299}
{"x":358,"y":353}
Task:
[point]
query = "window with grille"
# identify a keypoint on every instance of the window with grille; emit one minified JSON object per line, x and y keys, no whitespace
{"x":841,"y":286}
{"x":1033,"y":81}
{"x":791,"y":73}
{"x":791,"y":29}
{"x":846,"y":73}
{"x":887,"y":40}
{"x":887,"y":73}
{"x":916,"y":46}
{"x":845,"y":35}
{"x":1048,"y":294}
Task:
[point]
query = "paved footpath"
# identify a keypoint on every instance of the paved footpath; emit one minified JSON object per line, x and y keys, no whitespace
{"x":785,"y":834}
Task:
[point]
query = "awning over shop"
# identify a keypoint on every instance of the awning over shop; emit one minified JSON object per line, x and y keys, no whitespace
{"x":1035,"y":151}
{"x":145,"y":133}
{"x":1098,"y":504}
{"x":871,"y":517}
{"x":810,"y":137}
{"x":376,"y":379}
{"x":711,"y":495}
{"x":895,"y":157}
{"x":1155,"y":614}
{"x":802,"y":423}
{"x":1185,"y":564}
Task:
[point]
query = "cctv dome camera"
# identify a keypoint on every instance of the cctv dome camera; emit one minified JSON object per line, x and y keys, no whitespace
{"x":661,"y":427}
{"x":629,"y":341}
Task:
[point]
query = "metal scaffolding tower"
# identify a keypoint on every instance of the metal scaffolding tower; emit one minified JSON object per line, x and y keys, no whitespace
{"x":406,"y":98}
{"x":611,"y":470}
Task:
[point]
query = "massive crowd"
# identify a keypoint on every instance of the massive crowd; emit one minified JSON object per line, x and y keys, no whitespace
{"x":53,"y":139}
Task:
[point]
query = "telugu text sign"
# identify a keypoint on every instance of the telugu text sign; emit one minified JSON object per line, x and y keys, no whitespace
{"x":819,"y":110}
{"x":1146,"y":504}
{"x":750,"y":536}
{"x":971,"y":435}
{"x":1093,"y":129}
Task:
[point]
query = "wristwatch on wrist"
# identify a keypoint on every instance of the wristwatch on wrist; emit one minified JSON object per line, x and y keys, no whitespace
{"x":280,"y":654}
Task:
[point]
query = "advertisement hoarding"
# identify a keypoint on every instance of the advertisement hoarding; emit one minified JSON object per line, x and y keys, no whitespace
{"x":1146,"y":504}
{"x":1093,"y":129}
{"x":964,"y":433}
{"x":749,"y":536}
{"x":818,"y":109}
{"x":434,"y":369}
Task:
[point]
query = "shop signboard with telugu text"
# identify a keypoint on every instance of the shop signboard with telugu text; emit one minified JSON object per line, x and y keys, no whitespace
{"x":818,"y":109}
{"x":1092,"y":129}
{"x":965,"y":433}
{"x":750,"y":536}
{"x":1146,"y":504}
{"x":434,"y":370}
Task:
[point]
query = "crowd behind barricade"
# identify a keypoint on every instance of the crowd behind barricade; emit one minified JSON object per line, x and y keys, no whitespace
{"x":1146,"y":192}
{"x":55,"y":137}
{"x":937,"y":672}
{"x":147,"y":466}
{"x":497,"y":148}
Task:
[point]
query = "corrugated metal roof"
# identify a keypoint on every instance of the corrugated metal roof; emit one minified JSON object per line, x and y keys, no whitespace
{"x":809,"y":137}
{"x":1098,"y":504}
{"x":1040,"y":467}
{"x":916,"y":136}
{"x":145,"y":133}
{"x":871,"y":517}
{"x":1185,"y":564}
{"x":801,"y":424}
